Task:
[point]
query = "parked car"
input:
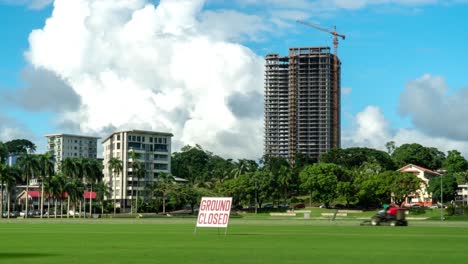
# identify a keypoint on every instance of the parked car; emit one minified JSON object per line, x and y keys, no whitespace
{"x":283,"y":205}
{"x":299,"y":206}
{"x":268,"y":206}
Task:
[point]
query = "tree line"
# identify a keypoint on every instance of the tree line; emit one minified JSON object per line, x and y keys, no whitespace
{"x":357,"y":176}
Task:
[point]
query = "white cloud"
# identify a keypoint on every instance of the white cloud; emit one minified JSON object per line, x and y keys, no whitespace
{"x":170,"y":67}
{"x":372,"y":129}
{"x":433,"y":109}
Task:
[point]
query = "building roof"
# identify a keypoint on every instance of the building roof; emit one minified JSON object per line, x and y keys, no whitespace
{"x":410,"y":168}
{"x":36,"y":194}
{"x":70,"y":135}
{"x":140,"y":132}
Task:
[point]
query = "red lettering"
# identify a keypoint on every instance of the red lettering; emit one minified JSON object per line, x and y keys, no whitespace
{"x":226,"y":218}
{"x":202,"y":206}
{"x":210,"y":219}
{"x":200,"y":217}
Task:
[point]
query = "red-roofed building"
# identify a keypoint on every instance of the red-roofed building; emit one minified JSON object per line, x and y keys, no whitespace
{"x":421,"y":197}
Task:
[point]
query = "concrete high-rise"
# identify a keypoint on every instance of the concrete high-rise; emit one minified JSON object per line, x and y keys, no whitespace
{"x":302,"y":104}
{"x":64,"y":146}
{"x":153,"y":149}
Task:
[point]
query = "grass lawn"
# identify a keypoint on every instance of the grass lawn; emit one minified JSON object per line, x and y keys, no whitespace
{"x":248,"y":241}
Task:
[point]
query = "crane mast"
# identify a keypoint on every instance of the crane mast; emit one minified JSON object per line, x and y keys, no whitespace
{"x":335,"y":76}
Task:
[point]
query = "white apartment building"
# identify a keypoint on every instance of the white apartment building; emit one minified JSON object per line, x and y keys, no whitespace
{"x":65,"y":146}
{"x":462,"y":194}
{"x":153,"y":149}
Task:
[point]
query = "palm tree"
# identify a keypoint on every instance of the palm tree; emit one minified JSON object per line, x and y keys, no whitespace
{"x":46,"y":168}
{"x":115,"y":168}
{"x":94,"y":176}
{"x":102,"y":191}
{"x":3,"y":178}
{"x":139,"y":173}
{"x":57,"y":186}
{"x":241,"y":168}
{"x":285,"y":178}
{"x":165,"y":185}
{"x":29,"y":166}
{"x":10,"y":183}
{"x":70,"y":171}
{"x":75,"y":191}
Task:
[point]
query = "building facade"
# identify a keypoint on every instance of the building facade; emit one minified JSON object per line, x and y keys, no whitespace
{"x":64,"y":146}
{"x":421,"y":196}
{"x":153,"y":149}
{"x":302,"y":104}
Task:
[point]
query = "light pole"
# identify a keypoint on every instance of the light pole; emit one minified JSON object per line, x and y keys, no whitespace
{"x":256,"y":196}
{"x":441,"y":201}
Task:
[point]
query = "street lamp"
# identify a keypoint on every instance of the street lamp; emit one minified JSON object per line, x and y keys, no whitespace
{"x":256,"y":200}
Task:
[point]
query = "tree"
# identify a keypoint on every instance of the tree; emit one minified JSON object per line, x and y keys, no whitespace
{"x":135,"y":167}
{"x":57,"y":187}
{"x":285,"y":179}
{"x":4,"y":175}
{"x":191,"y":163}
{"x":401,"y":184}
{"x":140,"y":172}
{"x":3,"y":152}
{"x":417,"y":154}
{"x":102,"y":190}
{"x":461,"y":177}
{"x":449,"y":188}
{"x":455,"y":162}
{"x":352,"y":158}
{"x":46,"y":163}
{"x":164,"y":186}
{"x":70,"y":170}
{"x":75,"y":190}
{"x":93,"y":177}
{"x":28,"y":165}
{"x":13,"y":176}
{"x":20,"y":146}
{"x":390,"y":147}
{"x":372,"y":189}
{"x":321,"y":180}
{"x":115,"y":168}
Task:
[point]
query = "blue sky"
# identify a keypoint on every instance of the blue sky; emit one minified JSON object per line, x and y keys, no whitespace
{"x":391,"y":50}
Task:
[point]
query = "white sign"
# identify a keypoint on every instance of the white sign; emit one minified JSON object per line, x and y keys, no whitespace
{"x":214,"y":212}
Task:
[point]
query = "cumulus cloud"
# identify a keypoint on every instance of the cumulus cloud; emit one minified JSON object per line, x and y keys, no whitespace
{"x":44,"y":91}
{"x":371,"y":129}
{"x":167,"y":67}
{"x":10,"y":129}
{"x":433,"y":109}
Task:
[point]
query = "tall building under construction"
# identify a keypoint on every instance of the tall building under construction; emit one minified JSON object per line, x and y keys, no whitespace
{"x":302,"y":102}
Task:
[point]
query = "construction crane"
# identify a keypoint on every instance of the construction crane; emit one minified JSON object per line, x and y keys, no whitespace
{"x":335,"y":76}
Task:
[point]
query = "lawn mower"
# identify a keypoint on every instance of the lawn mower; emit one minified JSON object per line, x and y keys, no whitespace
{"x":393,"y":216}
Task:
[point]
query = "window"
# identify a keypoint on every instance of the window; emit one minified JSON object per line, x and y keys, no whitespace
{"x":160,"y":147}
{"x":118,"y":145}
{"x":143,"y":139}
{"x":160,"y":166}
{"x":118,"y":137}
{"x":151,"y":140}
{"x":138,"y":139}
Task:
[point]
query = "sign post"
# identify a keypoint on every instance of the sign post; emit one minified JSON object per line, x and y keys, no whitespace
{"x":214,"y":212}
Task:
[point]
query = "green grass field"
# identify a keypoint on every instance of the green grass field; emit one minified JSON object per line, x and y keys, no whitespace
{"x":247,"y":241}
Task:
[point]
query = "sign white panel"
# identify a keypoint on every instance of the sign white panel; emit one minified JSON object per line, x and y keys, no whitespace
{"x":214,"y":212}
